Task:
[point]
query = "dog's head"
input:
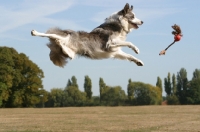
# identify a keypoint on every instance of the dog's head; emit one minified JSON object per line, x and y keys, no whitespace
{"x":127,"y":18}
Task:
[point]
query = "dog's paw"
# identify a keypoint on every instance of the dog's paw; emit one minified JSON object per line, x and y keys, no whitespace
{"x":134,"y":48}
{"x":33,"y":33}
{"x":137,"y":51}
{"x":140,"y":63}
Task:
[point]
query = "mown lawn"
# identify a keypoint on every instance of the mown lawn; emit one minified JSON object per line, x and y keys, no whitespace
{"x":102,"y":119}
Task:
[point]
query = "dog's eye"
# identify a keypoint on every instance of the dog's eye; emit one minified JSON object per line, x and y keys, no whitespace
{"x":132,"y":17}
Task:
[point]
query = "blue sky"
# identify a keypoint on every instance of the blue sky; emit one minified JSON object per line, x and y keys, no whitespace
{"x":18,"y":18}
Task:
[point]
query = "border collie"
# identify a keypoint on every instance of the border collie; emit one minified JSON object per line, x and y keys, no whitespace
{"x":105,"y":41}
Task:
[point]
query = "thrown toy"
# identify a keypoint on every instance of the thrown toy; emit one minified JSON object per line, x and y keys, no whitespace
{"x":177,"y":37}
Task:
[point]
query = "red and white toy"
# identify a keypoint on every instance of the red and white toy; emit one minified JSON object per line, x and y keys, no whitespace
{"x":177,"y":37}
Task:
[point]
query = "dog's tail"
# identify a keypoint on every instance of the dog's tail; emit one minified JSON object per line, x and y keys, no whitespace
{"x":56,"y":55}
{"x":59,"y":31}
{"x":57,"y":59}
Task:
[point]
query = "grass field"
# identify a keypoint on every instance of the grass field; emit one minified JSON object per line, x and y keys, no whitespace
{"x":102,"y":119}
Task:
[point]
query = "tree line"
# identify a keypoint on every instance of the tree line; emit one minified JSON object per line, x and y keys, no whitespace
{"x":138,"y":93}
{"x":21,"y":86}
{"x":179,"y":89}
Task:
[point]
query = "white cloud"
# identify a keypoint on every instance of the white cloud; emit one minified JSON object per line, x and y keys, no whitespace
{"x":28,"y":12}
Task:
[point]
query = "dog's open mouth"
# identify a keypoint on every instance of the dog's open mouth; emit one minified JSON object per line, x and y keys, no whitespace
{"x":134,"y":25}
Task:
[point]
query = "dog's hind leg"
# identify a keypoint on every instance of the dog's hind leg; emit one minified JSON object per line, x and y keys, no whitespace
{"x":66,"y":50}
{"x":52,"y":36}
{"x":119,"y":43}
{"x":60,"y":40}
{"x":124,"y":56}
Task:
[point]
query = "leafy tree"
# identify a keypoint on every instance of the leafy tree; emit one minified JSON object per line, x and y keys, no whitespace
{"x":69,"y":83}
{"x":56,"y":98}
{"x":95,"y":101}
{"x":156,"y":95}
{"x":172,"y":100}
{"x":104,"y":100}
{"x":88,"y":87}
{"x":4,"y":93}
{"x":174,"y":85}
{"x":130,"y":92}
{"x":196,"y":74}
{"x":145,"y":94}
{"x":167,"y":83}
{"x":43,"y":97}
{"x":72,"y":95}
{"x":6,"y":72}
{"x":182,"y":82}
{"x":20,"y":79}
{"x":193,"y":92}
{"x":102,"y":87}
{"x":74,"y":81}
{"x":159,"y":83}
{"x":114,"y":96}
{"x":75,"y":96}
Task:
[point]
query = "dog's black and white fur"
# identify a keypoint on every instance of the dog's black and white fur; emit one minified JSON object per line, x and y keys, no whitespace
{"x":103,"y":42}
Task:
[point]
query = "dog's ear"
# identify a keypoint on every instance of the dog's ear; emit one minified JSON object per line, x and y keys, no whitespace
{"x":126,"y":9}
{"x":131,"y":7}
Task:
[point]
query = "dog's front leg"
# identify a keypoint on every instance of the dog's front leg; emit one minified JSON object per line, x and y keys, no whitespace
{"x":119,"y":43}
{"x":124,"y":56}
{"x":52,"y":36}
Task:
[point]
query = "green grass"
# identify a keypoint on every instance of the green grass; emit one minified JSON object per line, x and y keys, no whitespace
{"x":102,"y":119}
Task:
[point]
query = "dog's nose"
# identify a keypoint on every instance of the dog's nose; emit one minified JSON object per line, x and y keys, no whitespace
{"x":142,"y":22}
